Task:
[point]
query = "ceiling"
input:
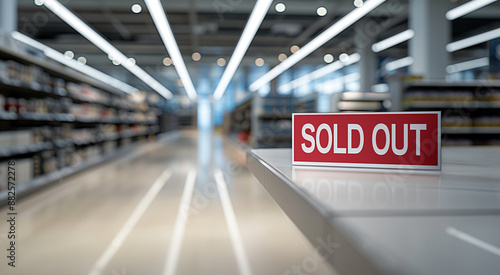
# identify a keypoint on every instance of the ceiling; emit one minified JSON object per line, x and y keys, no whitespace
{"x":213,"y":28}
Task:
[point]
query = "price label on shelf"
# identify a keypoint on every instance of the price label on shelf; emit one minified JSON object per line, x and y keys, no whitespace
{"x":409,"y":140}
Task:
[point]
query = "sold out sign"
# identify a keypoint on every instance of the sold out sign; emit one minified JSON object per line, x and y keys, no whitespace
{"x":386,"y":140}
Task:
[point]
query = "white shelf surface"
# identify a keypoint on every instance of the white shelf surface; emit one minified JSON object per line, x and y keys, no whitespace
{"x":394,"y":221}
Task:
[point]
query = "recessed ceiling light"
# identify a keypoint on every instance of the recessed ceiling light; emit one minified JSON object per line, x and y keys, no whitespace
{"x":39,"y":2}
{"x":344,"y":57}
{"x":136,"y":8}
{"x":116,"y":62}
{"x":259,"y":62}
{"x":358,"y":3}
{"x":321,"y":11}
{"x":69,"y":54}
{"x":280,"y":7}
{"x":316,"y":42}
{"x":196,"y":56}
{"x":221,"y":62}
{"x":282,"y":57}
{"x":82,"y":60}
{"x":294,"y":48}
{"x":167,"y":61}
{"x":328,"y":58}
{"x":131,"y":61}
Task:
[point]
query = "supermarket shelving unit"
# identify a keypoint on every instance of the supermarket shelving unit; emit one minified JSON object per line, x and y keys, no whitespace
{"x":470,"y":110}
{"x":265,"y":122}
{"x":307,"y":104}
{"x":271,"y":121}
{"x":55,"y":121}
{"x":237,"y":123}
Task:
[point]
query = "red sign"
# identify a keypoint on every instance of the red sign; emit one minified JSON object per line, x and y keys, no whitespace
{"x":382,"y":140}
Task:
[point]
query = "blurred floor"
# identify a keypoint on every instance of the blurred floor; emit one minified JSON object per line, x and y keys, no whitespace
{"x":186,"y":205}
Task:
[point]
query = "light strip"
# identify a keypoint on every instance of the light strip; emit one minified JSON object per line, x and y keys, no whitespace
{"x":77,"y":24}
{"x":400,"y":63}
{"x":468,"y":65}
{"x":335,"y":66}
{"x":160,"y":19}
{"x":334,"y":83}
{"x":317,"y":42}
{"x":380,"y":88}
{"x":393,"y":41}
{"x":253,"y":24}
{"x":85,"y":69}
{"x":234,"y":232}
{"x":131,"y":222}
{"x":473,"y":40}
{"x":473,"y":240}
{"x":467,"y":8}
{"x":180,"y":224}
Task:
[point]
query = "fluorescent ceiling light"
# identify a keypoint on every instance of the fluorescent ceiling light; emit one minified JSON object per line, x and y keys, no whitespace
{"x":336,"y":84}
{"x":468,"y":65}
{"x":467,"y":8}
{"x":160,"y":19}
{"x":253,"y":24}
{"x":393,"y":41}
{"x":317,"y":42}
{"x":335,"y":66}
{"x":85,"y":69}
{"x":400,"y":63}
{"x":380,"y":88}
{"x":473,"y":40}
{"x":77,"y":24}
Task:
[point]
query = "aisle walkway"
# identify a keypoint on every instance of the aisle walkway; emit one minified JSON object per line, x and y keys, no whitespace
{"x":187,"y":205}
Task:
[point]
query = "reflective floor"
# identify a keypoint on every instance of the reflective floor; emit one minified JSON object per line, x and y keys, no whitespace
{"x":184,"y":205}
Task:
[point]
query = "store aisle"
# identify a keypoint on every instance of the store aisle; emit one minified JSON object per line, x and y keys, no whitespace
{"x":185,"y":205}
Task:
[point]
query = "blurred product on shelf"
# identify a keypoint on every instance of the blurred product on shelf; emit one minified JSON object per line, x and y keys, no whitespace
{"x":9,"y":139}
{"x":54,"y":122}
{"x":25,"y":165}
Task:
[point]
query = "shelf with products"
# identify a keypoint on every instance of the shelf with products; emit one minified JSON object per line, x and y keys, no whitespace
{"x":27,"y":73}
{"x":271,"y":120}
{"x":20,"y":150}
{"x":471,"y":130}
{"x":61,"y":118}
{"x":470,"y":111}
{"x":442,"y":104}
{"x":307,"y":104}
{"x":53,"y":118}
{"x":237,"y":123}
{"x":65,"y":110}
{"x":21,"y":143}
{"x":75,"y":92}
{"x":31,"y":89}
